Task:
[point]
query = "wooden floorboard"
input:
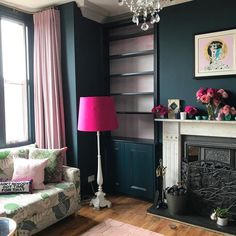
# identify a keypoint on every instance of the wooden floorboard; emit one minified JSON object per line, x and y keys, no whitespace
{"x":127,"y":210}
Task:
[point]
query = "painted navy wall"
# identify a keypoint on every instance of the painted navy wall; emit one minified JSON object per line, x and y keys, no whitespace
{"x":67,"y":12}
{"x":177,"y":28}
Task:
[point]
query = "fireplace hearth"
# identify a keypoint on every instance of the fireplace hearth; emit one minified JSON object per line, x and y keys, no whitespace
{"x":194,"y":219}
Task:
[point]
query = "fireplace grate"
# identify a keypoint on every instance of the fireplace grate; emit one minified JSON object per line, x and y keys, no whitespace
{"x":211,"y":184}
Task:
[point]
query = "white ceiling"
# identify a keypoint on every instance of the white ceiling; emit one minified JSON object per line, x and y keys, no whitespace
{"x":109,"y":6}
{"x":31,"y":5}
{"x":98,"y":9}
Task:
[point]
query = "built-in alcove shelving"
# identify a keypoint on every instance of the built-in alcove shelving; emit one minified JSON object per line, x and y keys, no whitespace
{"x":130,"y":112}
{"x":128,"y":94}
{"x":127,"y":33}
{"x":131,"y":59}
{"x":132,"y":75}
{"x":132,"y":54}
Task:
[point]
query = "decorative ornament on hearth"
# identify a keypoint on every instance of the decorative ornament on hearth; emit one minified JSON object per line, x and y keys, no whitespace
{"x":221,"y":216}
{"x":145,"y":10}
{"x":213,"y":216}
{"x":160,"y":111}
{"x":213,"y":99}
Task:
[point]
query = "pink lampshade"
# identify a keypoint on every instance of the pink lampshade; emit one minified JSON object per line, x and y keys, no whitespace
{"x":97,"y":114}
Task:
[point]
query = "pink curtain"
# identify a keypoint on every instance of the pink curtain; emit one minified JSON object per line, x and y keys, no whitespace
{"x":48,"y":96}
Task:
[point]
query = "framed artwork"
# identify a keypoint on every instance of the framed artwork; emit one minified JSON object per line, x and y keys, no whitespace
{"x":173,"y":108}
{"x":215,"y":53}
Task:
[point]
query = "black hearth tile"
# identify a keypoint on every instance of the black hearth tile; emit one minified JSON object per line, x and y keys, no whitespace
{"x":196,"y":220}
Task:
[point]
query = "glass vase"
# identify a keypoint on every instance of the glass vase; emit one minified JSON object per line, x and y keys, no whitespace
{"x":212,"y":111}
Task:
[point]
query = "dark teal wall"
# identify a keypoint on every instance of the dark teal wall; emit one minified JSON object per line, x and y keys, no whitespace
{"x":67,"y":12}
{"x":90,"y":82}
{"x":177,"y":28}
{"x":83,"y":75}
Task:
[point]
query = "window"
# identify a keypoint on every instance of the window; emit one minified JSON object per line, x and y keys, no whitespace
{"x":14,"y":83}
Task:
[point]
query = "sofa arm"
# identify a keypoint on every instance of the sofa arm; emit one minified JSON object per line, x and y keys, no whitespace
{"x":72,"y":174}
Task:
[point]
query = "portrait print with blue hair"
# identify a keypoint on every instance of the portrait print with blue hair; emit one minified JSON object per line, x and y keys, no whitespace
{"x":215,"y":52}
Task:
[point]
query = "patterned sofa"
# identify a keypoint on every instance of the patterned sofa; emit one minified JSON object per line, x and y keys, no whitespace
{"x":36,"y":211}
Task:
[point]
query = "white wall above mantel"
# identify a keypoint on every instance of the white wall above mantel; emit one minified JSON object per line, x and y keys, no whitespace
{"x":173,"y":129}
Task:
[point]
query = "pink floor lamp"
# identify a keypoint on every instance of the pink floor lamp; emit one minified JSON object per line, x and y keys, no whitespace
{"x":97,"y":114}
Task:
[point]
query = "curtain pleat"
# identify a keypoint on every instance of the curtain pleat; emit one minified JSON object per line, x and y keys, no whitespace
{"x":48,"y":95}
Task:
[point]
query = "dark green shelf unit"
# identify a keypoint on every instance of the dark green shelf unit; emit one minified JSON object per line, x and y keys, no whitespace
{"x":134,"y":112}
{"x":132,"y":94}
{"x":134,"y":35}
{"x":133,"y":171}
{"x":134,"y":161}
{"x":133,"y":140}
{"x":132,"y":54}
{"x":132,"y":74}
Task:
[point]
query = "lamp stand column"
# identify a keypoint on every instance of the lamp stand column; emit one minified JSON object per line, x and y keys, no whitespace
{"x":100,"y":200}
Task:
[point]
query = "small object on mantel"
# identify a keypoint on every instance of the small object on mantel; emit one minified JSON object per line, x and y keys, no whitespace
{"x":173,"y":108}
{"x":173,"y":226}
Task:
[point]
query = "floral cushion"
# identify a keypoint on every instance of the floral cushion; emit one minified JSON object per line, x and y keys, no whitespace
{"x":6,"y":161}
{"x":53,"y":170}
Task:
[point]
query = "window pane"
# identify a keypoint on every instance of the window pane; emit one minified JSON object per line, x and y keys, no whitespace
{"x":15,"y":80}
{"x":15,"y":113}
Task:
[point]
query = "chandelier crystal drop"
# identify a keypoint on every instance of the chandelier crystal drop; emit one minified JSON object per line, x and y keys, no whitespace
{"x":145,"y":10}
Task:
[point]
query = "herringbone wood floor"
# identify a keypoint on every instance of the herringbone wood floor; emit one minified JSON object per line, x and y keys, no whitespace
{"x":127,"y":210}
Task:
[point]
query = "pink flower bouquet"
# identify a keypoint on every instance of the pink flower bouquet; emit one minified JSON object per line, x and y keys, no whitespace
{"x":210,"y":95}
{"x":160,"y":110}
{"x":213,"y":99}
{"x":191,"y":110}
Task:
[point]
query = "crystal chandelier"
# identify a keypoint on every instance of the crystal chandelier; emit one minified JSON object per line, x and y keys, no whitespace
{"x":143,"y":9}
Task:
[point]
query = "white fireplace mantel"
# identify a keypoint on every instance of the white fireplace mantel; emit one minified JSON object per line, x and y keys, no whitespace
{"x":173,"y":129}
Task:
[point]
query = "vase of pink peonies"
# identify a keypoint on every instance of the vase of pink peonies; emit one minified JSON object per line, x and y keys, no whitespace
{"x":213,"y":99}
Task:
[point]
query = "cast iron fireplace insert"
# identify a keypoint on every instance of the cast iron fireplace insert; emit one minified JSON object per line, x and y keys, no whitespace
{"x":208,"y":170}
{"x":209,"y":173}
